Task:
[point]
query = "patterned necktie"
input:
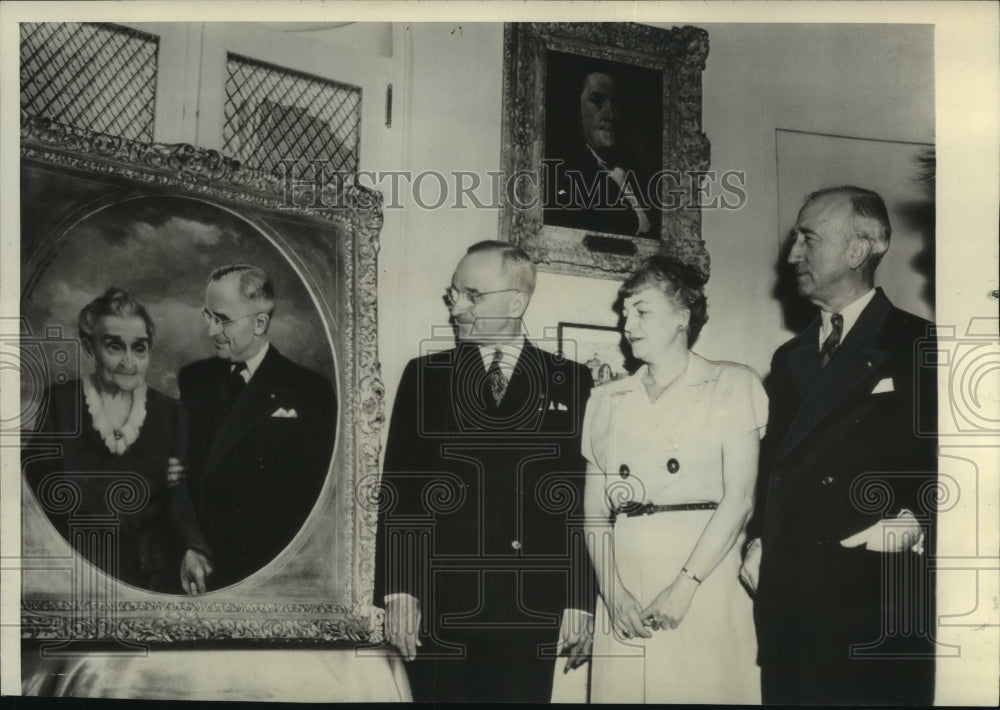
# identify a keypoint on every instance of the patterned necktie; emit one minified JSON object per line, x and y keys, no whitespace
{"x":832,"y":340}
{"x":235,"y":384}
{"x":495,"y":378}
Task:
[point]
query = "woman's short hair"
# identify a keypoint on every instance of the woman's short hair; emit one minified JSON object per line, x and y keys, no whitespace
{"x":683,"y":284}
{"x":113,"y":302}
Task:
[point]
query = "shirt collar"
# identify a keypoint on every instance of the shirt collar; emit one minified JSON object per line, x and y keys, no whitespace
{"x":850,"y":312}
{"x":253,"y":362}
{"x":603,"y":164}
{"x":511,"y":353}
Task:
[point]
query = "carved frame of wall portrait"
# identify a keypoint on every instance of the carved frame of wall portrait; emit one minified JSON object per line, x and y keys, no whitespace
{"x":679,"y":54}
{"x":318,"y":589}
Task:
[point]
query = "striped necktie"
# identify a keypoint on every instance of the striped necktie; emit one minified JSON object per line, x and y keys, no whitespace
{"x":832,"y":341}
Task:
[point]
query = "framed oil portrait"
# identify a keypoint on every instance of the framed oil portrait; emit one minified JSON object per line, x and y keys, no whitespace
{"x":602,"y":144}
{"x":600,"y":347}
{"x":117,"y":235}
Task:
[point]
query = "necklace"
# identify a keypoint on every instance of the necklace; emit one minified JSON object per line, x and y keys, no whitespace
{"x":117,"y":439}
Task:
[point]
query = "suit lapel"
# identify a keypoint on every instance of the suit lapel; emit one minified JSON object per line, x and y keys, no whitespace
{"x":255,"y":403}
{"x":803,"y":360}
{"x":526,"y":386}
{"x":856,"y":359}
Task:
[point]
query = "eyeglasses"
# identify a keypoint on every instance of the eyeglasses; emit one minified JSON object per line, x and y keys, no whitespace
{"x":212,"y":319}
{"x":453,"y":295}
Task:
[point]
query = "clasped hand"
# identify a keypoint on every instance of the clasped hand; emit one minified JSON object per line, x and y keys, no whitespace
{"x":671,"y":605}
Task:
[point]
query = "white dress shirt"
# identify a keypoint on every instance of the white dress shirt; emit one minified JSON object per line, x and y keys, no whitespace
{"x":252,"y":363}
{"x":850,"y":313}
{"x":511,"y":354}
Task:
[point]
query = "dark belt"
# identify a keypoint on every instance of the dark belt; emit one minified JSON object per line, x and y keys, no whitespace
{"x":633,"y":509}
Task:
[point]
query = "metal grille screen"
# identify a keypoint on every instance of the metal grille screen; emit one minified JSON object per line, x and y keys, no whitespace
{"x":96,"y":76}
{"x":274,"y":114}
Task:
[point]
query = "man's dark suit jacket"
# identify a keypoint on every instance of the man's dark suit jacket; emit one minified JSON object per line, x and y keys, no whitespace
{"x":582,"y":195}
{"x":481,"y":511}
{"x":842,"y":452}
{"x":256,"y":475}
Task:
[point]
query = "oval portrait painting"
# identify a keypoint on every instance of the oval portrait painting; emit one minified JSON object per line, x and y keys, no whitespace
{"x":178,"y":393}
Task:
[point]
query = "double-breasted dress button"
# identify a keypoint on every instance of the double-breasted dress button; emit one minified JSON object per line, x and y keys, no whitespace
{"x":516,"y":544}
{"x":623,"y":470}
{"x":826,"y":480}
{"x":673,"y":465}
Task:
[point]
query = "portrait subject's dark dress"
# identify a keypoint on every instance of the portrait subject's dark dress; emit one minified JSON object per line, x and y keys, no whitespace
{"x":153,"y":524}
{"x":842,"y":451}
{"x":481,"y":520}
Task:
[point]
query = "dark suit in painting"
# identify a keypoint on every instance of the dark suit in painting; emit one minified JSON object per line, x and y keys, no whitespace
{"x":477,"y":521}
{"x":257,"y":468}
{"x":581,"y":194}
{"x":837,"y":624}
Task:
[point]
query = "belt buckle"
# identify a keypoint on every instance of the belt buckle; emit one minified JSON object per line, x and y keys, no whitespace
{"x":630,"y":509}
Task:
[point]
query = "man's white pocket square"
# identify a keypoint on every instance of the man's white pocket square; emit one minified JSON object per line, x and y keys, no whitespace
{"x":282,"y":413}
{"x":884,"y":385}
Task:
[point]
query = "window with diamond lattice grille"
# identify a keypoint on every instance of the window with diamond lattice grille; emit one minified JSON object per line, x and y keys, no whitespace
{"x":96,"y":76}
{"x":274,"y":114}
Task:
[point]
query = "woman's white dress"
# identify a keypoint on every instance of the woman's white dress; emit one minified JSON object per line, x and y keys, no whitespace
{"x":664,"y":452}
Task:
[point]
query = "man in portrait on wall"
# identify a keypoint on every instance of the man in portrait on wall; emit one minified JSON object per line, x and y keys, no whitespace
{"x":261,"y":429}
{"x":478,"y":559}
{"x":598,"y":175}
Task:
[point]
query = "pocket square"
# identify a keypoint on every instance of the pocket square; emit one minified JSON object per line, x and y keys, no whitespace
{"x":562,"y":407}
{"x":884,"y":385}
{"x":282,"y":413}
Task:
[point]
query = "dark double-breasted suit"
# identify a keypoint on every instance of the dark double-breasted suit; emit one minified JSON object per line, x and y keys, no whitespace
{"x":481,"y":520}
{"x":842,"y":451}
{"x":257,"y":468}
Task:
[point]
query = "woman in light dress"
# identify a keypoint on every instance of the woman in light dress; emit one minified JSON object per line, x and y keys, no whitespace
{"x":672,"y":466}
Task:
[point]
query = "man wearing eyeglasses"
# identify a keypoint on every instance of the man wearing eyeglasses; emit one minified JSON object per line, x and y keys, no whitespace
{"x":261,"y":429}
{"x":478,"y":560}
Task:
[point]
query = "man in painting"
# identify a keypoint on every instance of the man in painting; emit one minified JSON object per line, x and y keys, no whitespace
{"x":842,"y":535}
{"x":477,"y":556}
{"x":261,"y":429}
{"x":597,"y":185}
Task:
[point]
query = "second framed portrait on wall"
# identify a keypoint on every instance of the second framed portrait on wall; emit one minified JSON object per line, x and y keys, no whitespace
{"x":602,"y":144}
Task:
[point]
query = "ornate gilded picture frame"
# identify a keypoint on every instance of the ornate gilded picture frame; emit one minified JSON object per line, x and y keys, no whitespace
{"x":100,"y":211}
{"x":575,"y":207}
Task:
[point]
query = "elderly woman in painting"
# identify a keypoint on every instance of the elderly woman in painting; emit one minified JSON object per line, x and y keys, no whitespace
{"x":672,"y":464}
{"x":117,"y":439}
